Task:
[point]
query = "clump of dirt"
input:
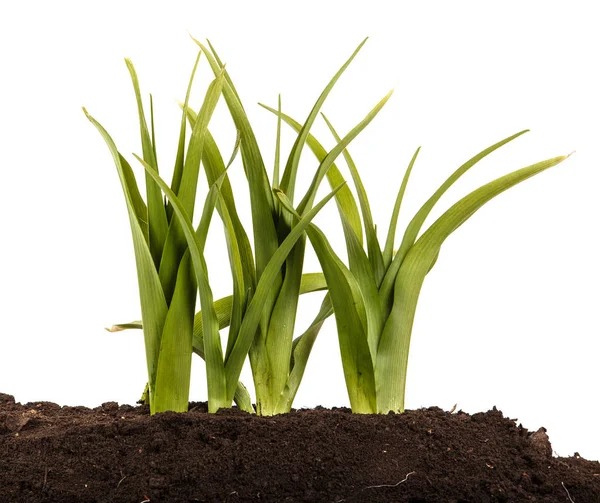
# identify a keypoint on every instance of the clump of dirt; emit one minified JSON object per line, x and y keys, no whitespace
{"x":119,"y":454}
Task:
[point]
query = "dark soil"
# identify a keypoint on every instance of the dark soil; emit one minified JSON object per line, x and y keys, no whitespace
{"x":118,"y":454}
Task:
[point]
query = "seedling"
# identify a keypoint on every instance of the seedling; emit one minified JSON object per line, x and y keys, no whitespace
{"x":261,"y":312}
{"x":375,"y":298}
{"x":277,"y":359}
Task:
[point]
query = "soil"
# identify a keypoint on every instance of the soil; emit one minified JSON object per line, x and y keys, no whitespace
{"x":119,"y":454}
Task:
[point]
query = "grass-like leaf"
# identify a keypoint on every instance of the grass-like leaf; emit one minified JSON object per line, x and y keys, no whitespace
{"x":373,"y":247}
{"x":351,"y":319}
{"x":308,"y":199}
{"x":389,"y":243}
{"x":265,"y":234}
{"x":157,"y":217}
{"x":392,"y":355}
{"x":253,"y":314}
{"x":152,"y":300}
{"x":223,"y":382}
{"x":216,"y":378}
{"x":344,"y":198}
{"x":301,"y":349}
{"x":272,"y":346}
{"x":412,"y":231}
{"x":175,"y":245}
{"x":288,"y":180}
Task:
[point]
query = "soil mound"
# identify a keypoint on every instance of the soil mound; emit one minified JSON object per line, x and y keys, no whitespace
{"x":120,"y":454}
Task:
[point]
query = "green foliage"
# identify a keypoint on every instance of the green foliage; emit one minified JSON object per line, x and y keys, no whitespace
{"x":168,"y":276}
{"x":374,"y":296}
{"x":277,"y":359}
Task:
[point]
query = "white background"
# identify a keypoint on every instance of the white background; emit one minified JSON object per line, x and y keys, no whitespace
{"x":508,"y":316}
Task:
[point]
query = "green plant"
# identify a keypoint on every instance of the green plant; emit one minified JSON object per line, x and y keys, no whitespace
{"x":167,"y":286}
{"x":265,"y":334}
{"x":261,"y":312}
{"x":375,"y":298}
{"x":169,"y":271}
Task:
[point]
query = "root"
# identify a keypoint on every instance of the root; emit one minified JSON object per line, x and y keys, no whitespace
{"x":392,"y":485}
{"x":124,"y":477}
{"x":565,"y":488}
{"x":45,"y":478}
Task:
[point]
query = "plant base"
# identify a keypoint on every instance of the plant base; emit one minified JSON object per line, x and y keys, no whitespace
{"x":118,"y":454}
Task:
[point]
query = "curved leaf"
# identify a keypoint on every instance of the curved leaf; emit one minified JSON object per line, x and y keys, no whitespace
{"x":309,"y":197}
{"x":301,"y":349}
{"x":216,"y":379}
{"x":157,"y":217}
{"x":175,"y":244}
{"x":152,"y":300}
{"x":392,"y":354}
{"x":344,"y":198}
{"x":254,"y":311}
{"x":373,"y":247}
{"x":412,"y":231}
{"x":288,"y":180}
{"x":389,"y":243}
{"x":265,"y":233}
{"x":351,"y":319}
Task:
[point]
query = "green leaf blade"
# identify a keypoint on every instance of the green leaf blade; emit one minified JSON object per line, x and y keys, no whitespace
{"x":174,"y":365}
{"x":351,"y":326}
{"x":152,"y":301}
{"x":176,"y":245}
{"x":392,"y":356}
{"x":373,"y":247}
{"x":288,"y":180}
{"x":412,"y":231}
{"x":310,"y":195}
{"x":389,"y":243}
{"x":254,"y":311}
{"x":216,"y":378}
{"x":180,"y":157}
{"x":157,"y":216}
{"x":265,"y":232}
{"x":301,"y":349}
{"x":344,"y":198}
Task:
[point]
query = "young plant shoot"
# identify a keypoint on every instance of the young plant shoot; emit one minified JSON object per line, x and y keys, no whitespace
{"x":375,"y":297}
{"x":262,"y":309}
{"x":266,"y":333}
{"x":167,"y":285}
